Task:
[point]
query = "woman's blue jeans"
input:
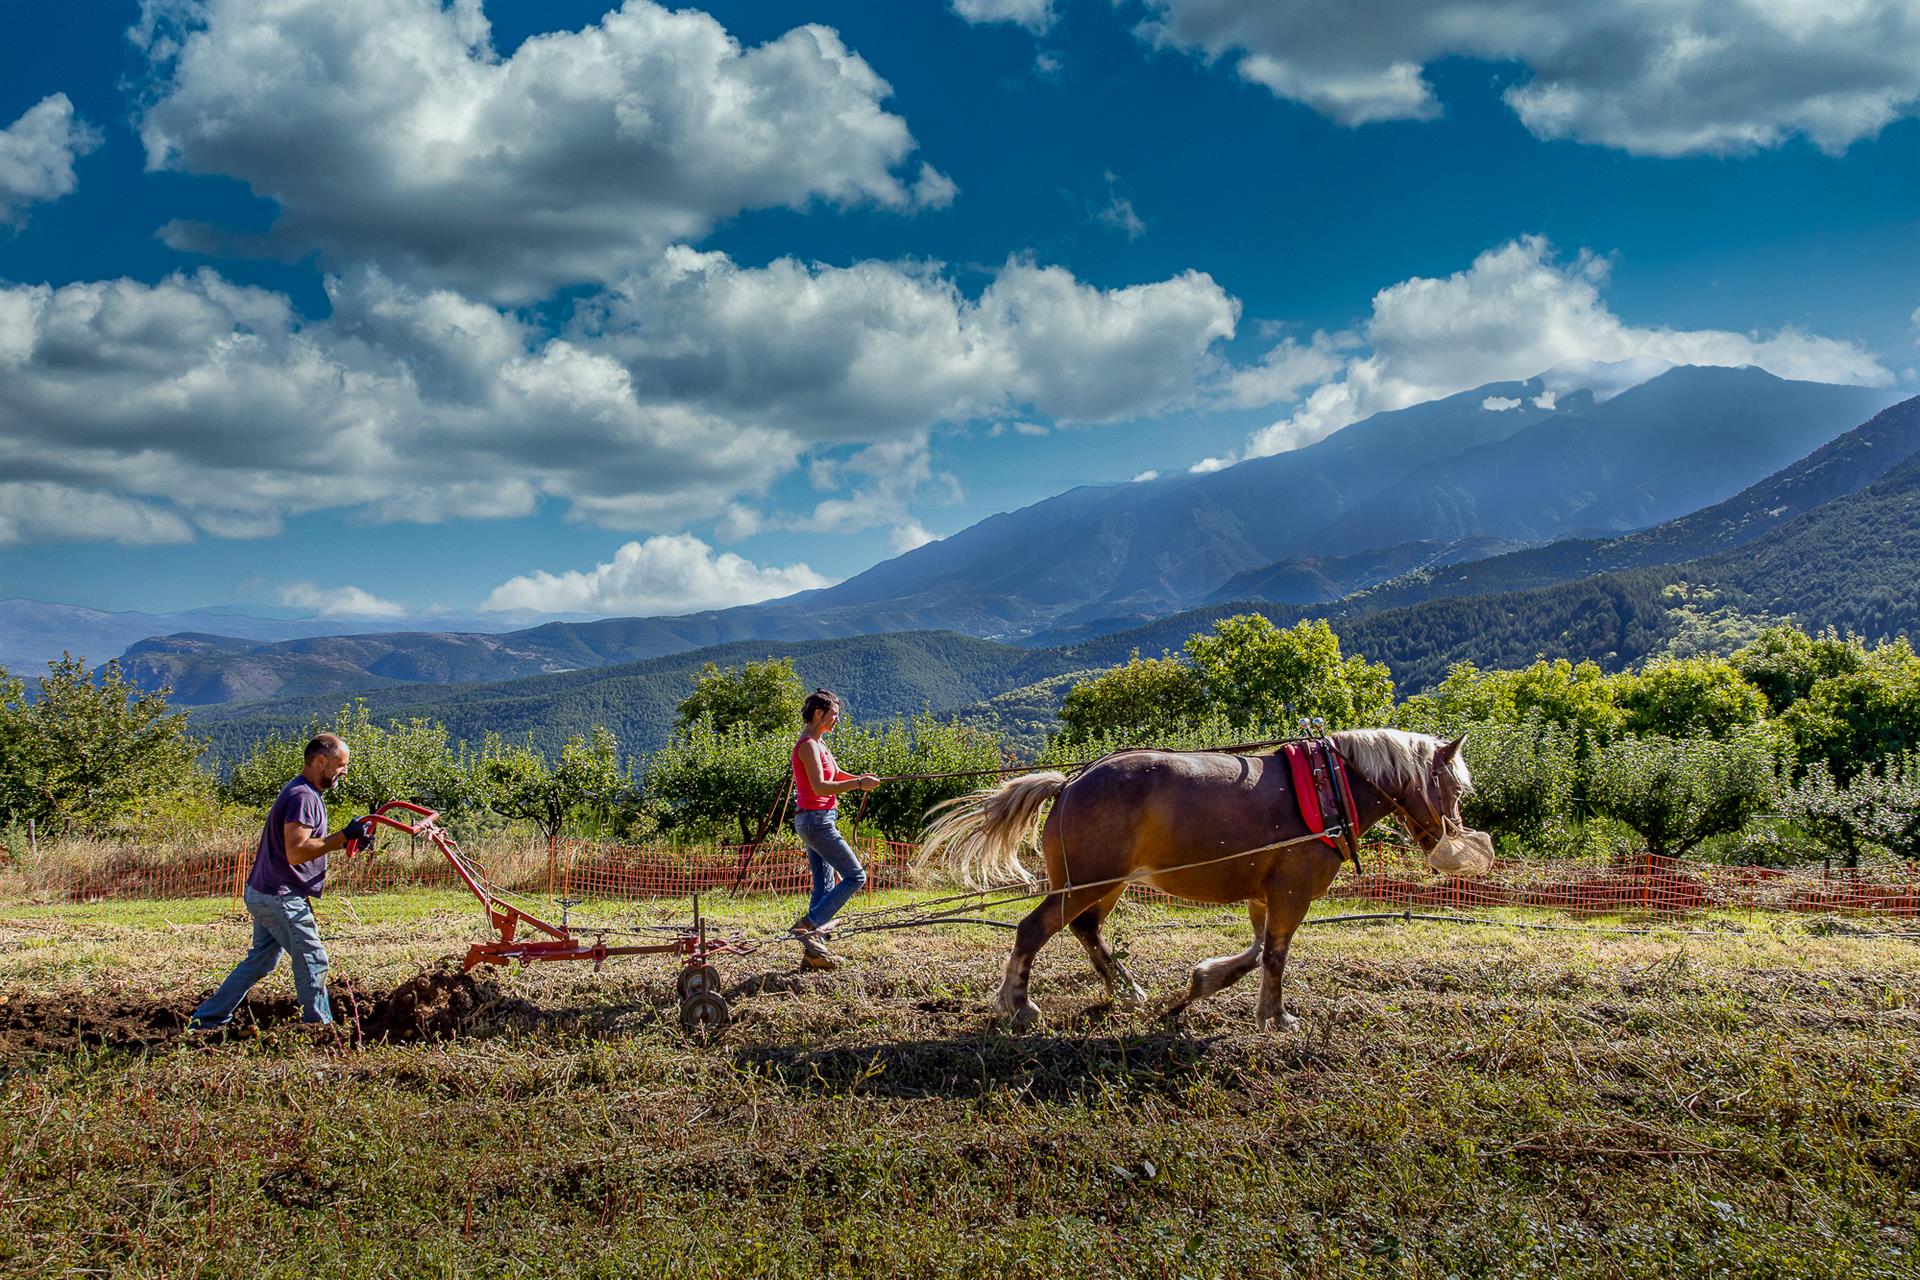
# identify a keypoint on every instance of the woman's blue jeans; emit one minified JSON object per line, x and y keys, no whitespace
{"x":837,"y":873}
{"x":281,"y":922}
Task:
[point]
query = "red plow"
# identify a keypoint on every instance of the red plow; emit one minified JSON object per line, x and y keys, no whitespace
{"x":526,"y":937}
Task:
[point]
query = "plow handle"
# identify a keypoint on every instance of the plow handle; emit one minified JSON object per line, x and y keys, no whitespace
{"x":423,"y":827}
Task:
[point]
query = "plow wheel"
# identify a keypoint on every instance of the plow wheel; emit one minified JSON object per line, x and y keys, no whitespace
{"x":697,"y":979}
{"x":704,"y":1016}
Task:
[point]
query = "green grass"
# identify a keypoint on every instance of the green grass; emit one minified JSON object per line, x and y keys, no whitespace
{"x":1457,"y":1101}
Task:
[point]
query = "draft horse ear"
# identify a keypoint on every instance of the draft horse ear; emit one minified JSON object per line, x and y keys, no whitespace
{"x":1448,"y":750}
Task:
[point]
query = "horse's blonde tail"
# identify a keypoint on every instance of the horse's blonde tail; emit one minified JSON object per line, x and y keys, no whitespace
{"x":979,"y":837}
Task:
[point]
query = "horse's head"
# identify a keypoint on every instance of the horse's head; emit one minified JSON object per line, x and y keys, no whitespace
{"x":1424,"y":779}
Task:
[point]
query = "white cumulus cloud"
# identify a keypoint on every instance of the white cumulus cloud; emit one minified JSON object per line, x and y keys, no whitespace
{"x":37,"y":152}
{"x":666,"y":574}
{"x":1037,"y":16}
{"x":339,"y":602}
{"x":1516,"y":312}
{"x":1652,"y":77}
{"x":1499,"y":404}
{"x":394,"y":133}
{"x":42,"y":511}
{"x":671,"y":401}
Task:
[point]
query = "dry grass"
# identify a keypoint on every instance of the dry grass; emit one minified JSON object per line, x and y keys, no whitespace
{"x":1457,"y":1101}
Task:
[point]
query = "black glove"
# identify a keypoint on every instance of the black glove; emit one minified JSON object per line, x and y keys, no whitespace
{"x":359,"y":835}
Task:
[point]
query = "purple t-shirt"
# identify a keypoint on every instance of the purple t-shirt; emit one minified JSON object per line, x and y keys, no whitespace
{"x":299,"y":801}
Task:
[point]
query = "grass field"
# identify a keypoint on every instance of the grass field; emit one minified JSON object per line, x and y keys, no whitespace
{"x":1735,"y":1098}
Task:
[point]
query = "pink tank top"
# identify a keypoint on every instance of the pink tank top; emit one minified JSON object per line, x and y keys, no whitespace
{"x":829,"y":772}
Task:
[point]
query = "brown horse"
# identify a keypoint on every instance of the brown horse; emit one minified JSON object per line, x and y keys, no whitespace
{"x":1174,"y":820}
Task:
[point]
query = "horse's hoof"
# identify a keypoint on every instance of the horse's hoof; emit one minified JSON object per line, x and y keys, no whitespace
{"x":1129,"y":998}
{"x":1281,"y":1023}
{"x":1024,"y":1015}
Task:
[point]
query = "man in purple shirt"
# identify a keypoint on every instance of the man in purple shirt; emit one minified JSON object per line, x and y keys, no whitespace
{"x":290,"y":869}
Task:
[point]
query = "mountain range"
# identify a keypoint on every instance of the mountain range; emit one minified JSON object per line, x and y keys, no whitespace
{"x":1833,"y":539}
{"x":1415,"y":489}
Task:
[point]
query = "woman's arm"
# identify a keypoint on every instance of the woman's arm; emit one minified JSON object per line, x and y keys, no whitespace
{"x":821,"y":785}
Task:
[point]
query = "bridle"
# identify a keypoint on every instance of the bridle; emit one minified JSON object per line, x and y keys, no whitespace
{"x":1437,"y":822}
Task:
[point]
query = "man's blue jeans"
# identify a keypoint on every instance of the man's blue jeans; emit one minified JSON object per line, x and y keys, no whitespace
{"x":281,"y":922}
{"x":828,"y":855}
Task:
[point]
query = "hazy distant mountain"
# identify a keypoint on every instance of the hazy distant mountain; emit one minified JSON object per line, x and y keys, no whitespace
{"x":878,"y":676}
{"x":34,"y":632}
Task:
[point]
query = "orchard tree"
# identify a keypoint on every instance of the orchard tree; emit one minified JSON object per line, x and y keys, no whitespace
{"x":516,"y":781}
{"x":1879,"y":807}
{"x":1853,"y":719}
{"x":1688,"y":698}
{"x":1784,"y":662}
{"x":402,"y":760}
{"x":1149,"y":701}
{"x":1523,"y":776}
{"x":1257,"y":674}
{"x":1677,"y":792}
{"x":90,"y":752}
{"x":709,"y":778}
{"x":909,"y":751}
{"x":1577,"y":696}
{"x":761,"y":697}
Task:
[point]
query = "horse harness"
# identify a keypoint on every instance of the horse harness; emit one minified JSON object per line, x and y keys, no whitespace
{"x":1320,"y":787}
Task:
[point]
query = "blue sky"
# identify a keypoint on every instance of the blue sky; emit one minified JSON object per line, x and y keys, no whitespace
{"x":394,"y":307}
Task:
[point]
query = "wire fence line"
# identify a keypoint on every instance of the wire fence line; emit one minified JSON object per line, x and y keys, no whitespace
{"x":1642,"y":885}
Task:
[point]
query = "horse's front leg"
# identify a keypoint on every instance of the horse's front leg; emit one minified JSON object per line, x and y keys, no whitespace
{"x":1289,"y":894}
{"x":1285,"y":910}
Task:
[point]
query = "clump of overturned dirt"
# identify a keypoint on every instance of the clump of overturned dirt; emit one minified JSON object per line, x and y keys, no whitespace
{"x":437,"y":1004}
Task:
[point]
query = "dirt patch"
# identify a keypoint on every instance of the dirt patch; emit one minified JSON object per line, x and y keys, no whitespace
{"x":436,"y":1004}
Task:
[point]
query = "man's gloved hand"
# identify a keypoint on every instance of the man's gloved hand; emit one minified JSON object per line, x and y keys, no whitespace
{"x":359,"y":835}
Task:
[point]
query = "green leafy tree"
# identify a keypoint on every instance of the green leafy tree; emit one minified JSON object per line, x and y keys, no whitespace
{"x":1851,"y":720}
{"x":516,"y":781}
{"x":761,"y":697}
{"x":402,"y":760}
{"x":1677,"y":792}
{"x":908,"y":750}
{"x":1148,"y":701}
{"x":1784,"y":662}
{"x":1879,"y":808}
{"x":1523,"y":776}
{"x":1687,"y":698}
{"x":710,"y":779}
{"x":90,"y":753}
{"x":1576,"y":696}
{"x":1257,"y":674}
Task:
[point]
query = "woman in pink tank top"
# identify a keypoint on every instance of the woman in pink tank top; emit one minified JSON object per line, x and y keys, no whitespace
{"x":818,"y":781}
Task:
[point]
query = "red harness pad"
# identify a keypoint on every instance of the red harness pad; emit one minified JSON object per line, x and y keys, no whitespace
{"x":1306,"y":791}
{"x":1312,"y":785}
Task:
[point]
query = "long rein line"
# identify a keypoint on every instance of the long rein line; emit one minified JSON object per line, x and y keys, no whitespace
{"x":985,"y":899}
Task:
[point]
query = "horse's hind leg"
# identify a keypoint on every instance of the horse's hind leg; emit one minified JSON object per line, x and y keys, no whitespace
{"x":1041,"y":923}
{"x":1221,"y":972}
{"x":1086,"y":926}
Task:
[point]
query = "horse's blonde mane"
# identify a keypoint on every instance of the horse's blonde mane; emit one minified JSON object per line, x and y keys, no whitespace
{"x":1395,"y":757}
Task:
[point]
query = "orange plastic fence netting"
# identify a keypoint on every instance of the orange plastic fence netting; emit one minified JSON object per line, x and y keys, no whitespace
{"x":1391,"y":879}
